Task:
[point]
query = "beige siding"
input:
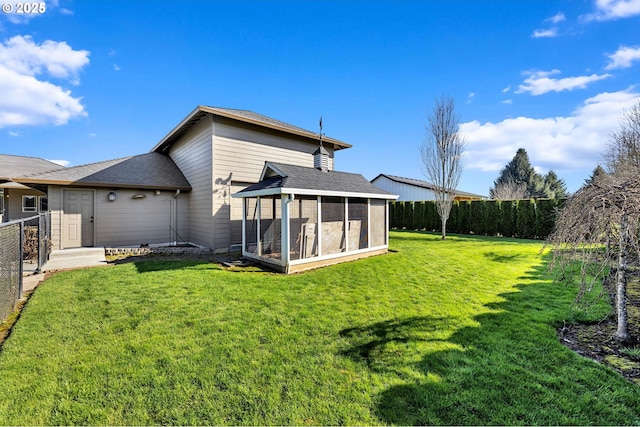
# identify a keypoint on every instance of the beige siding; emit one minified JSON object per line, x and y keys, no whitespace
{"x":13,"y":203}
{"x":139,"y":220}
{"x":193,"y":155}
{"x":239,"y":156}
{"x":55,"y":207}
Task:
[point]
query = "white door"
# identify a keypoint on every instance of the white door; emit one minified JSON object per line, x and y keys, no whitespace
{"x":77,"y":218}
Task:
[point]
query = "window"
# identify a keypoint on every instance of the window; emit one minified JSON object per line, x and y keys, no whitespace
{"x":1,"y":201}
{"x":44,"y":203}
{"x":29,"y":204}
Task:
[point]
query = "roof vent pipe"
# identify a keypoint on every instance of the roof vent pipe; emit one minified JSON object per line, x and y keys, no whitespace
{"x":321,"y":155}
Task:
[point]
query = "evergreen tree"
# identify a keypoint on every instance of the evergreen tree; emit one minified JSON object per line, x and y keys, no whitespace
{"x":554,"y":187}
{"x":519,"y":177}
{"x":518,"y":172}
{"x":596,"y":176}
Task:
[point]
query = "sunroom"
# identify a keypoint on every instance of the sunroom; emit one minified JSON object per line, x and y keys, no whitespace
{"x":297,"y":218}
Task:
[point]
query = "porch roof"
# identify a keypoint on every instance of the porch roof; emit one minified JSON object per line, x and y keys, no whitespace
{"x":150,"y":170}
{"x":280,"y":178}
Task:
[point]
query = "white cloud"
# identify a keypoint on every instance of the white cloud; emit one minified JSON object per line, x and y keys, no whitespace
{"x":539,"y":82}
{"x":23,"y":55}
{"x":507,"y":101}
{"x":557,"y":18}
{"x":115,"y":67}
{"x":506,"y":89}
{"x":14,"y":133}
{"x":560,"y":143}
{"x":470,"y":97}
{"x":623,"y":57}
{"x":64,"y":163}
{"x":613,"y":9}
{"x":551,"y":32}
{"x":27,"y":98}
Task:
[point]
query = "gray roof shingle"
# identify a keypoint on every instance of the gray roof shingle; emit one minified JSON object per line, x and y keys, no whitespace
{"x":15,"y":166}
{"x":280,"y":175}
{"x":150,"y":170}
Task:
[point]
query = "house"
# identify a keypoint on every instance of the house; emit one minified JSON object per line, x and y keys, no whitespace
{"x":19,"y":201}
{"x":181,"y":191}
{"x":410,"y":189}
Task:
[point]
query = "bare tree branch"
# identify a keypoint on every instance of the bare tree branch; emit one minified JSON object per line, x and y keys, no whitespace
{"x":509,"y":190}
{"x":441,"y":155}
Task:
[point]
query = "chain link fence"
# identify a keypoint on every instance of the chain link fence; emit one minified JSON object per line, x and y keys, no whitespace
{"x":25,"y":240}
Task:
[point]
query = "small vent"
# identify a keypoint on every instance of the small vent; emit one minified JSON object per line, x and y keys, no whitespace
{"x":321,"y":159}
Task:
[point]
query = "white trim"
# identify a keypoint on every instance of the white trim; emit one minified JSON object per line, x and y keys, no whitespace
{"x":345,"y":223}
{"x":306,"y":192}
{"x":259,"y":218}
{"x":319,"y":232}
{"x":369,"y":223}
{"x":336,"y":255}
{"x":35,"y":203}
{"x":284,"y":228}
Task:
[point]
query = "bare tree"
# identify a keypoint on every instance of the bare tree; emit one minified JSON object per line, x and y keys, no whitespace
{"x":509,"y":190}
{"x":623,"y":152}
{"x":599,"y":225}
{"x":598,"y":229}
{"x":442,"y":155}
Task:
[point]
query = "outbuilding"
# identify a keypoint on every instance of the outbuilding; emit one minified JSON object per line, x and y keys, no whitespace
{"x":296,"y":218}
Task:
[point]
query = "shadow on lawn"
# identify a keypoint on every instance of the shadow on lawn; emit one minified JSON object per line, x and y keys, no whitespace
{"x":152,"y":265}
{"x":509,"y":370}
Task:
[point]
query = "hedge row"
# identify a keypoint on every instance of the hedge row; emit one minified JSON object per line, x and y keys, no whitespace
{"x":526,"y":219}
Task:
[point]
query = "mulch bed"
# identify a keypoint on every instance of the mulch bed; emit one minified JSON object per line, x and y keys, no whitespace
{"x":598,"y":342}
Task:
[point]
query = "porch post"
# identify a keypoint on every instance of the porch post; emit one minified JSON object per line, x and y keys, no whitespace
{"x":284,"y":227}
{"x":368,"y":223}
{"x":346,"y":224}
{"x":258,"y":239}
{"x":319,"y":226}
{"x":244,"y":224}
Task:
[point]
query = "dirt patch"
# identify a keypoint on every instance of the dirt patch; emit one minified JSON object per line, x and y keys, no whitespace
{"x":597,"y":341}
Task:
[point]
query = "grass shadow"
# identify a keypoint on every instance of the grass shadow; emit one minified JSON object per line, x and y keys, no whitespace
{"x":496,"y":257}
{"x":153,"y":265}
{"x":511,"y":369}
{"x":370,"y":341}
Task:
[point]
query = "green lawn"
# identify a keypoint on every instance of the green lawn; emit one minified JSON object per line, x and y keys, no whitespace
{"x":460,"y":331}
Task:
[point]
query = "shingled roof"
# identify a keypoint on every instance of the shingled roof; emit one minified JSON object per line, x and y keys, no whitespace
{"x":279,"y":178}
{"x":152,"y":170}
{"x":15,"y":166}
{"x":244,"y":116}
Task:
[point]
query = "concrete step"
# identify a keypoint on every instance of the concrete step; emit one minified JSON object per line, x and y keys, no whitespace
{"x":76,"y":252}
{"x":75,"y":258}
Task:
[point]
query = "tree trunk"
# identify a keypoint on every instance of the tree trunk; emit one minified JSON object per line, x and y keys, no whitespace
{"x":622,"y":332}
{"x":444,"y":229}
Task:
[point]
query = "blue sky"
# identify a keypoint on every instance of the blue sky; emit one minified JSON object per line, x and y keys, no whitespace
{"x":85,"y":81}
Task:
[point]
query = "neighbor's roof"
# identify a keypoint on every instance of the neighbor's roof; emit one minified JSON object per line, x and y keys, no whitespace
{"x":422,"y":184}
{"x":14,"y":166}
{"x":279,"y":178}
{"x":152,"y":170}
{"x":244,"y":116}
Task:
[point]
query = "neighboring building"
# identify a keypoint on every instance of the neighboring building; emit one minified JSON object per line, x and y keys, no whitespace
{"x":181,"y":190}
{"x":19,"y":201}
{"x":410,"y":189}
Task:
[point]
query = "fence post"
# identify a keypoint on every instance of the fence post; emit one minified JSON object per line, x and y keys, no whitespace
{"x":20,"y":261}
